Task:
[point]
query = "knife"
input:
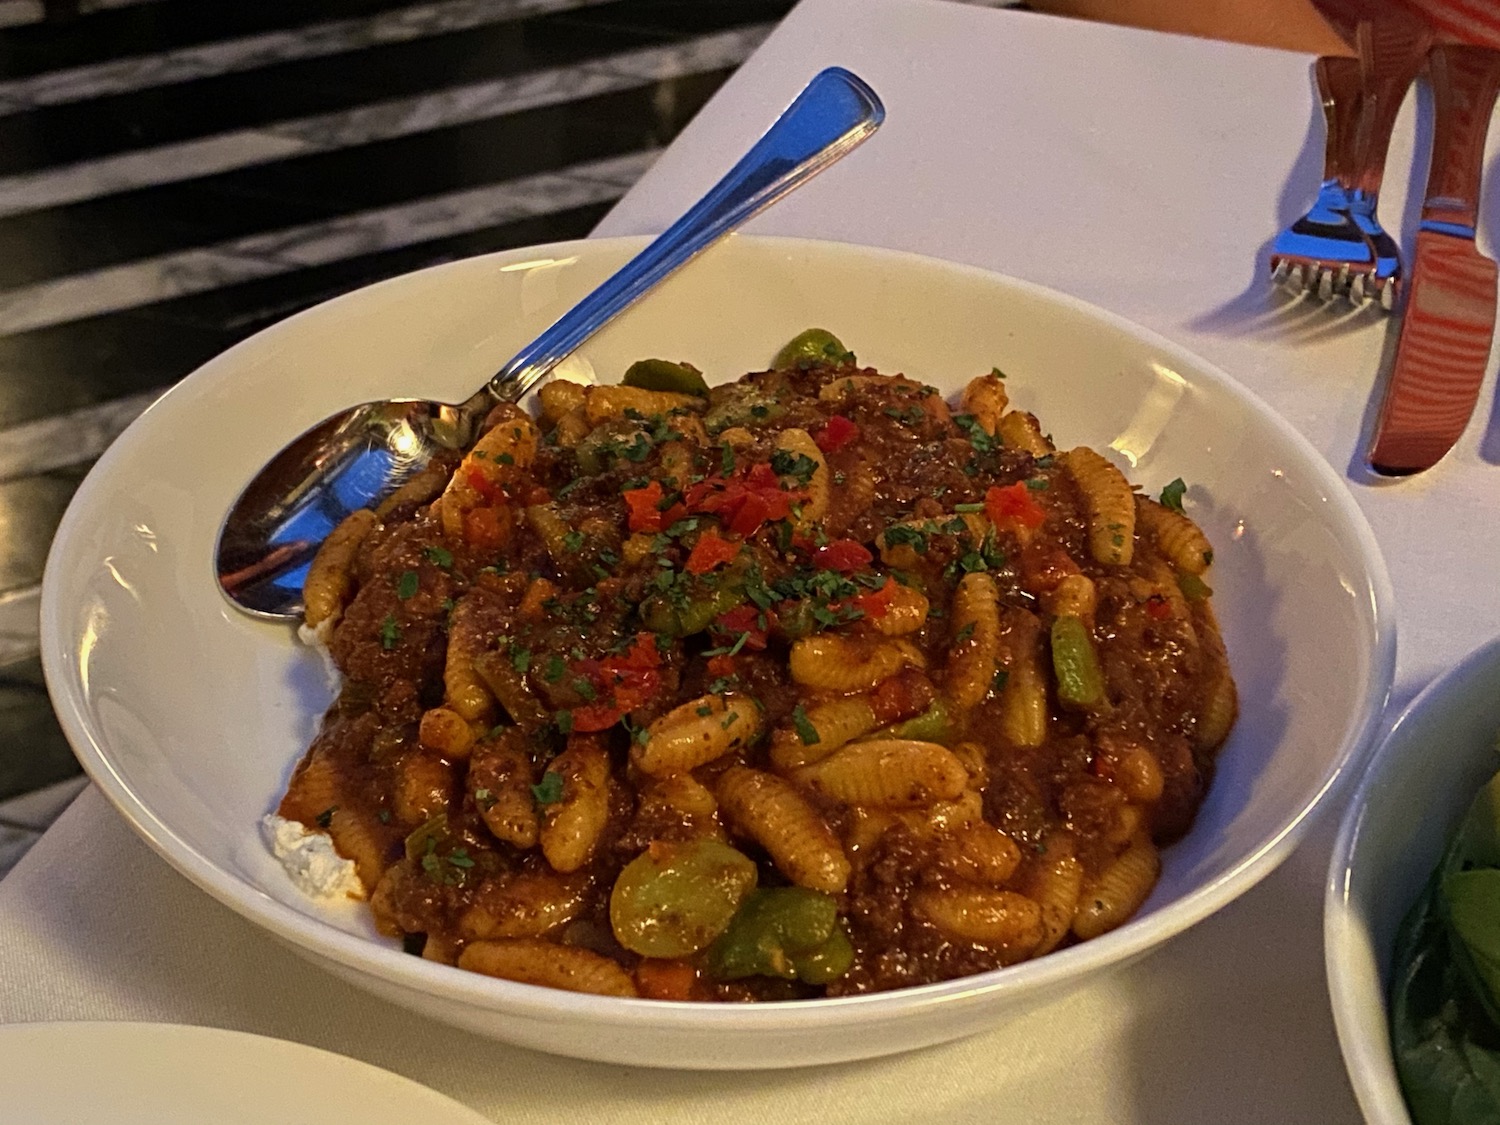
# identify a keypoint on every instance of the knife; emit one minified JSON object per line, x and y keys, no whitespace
{"x":1449,"y":320}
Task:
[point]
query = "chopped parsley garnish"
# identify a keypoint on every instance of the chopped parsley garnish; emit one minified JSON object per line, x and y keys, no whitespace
{"x":726,"y":461}
{"x":484,"y":798}
{"x":785,"y":463}
{"x":910,"y":415}
{"x":555,"y":669}
{"x":406,"y":585}
{"x":390,"y":633}
{"x":964,"y":634}
{"x":459,"y":857}
{"x":520,"y":660}
{"x":439,"y":556}
{"x":805,"y":730}
{"x":997,"y":373}
{"x":978,"y":438}
{"x":977,"y":506}
{"x":325,"y":818}
{"x":972,"y":561}
{"x":1038,"y":484}
{"x":573,"y":541}
{"x":1171,"y":495}
{"x":585,"y":690}
{"x":564,"y":720}
{"x":899,"y":534}
{"x":1002,"y":677}
{"x":550,"y":789}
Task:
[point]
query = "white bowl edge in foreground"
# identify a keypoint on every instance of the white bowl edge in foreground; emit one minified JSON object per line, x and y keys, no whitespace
{"x":1409,"y":801}
{"x":190,"y":716}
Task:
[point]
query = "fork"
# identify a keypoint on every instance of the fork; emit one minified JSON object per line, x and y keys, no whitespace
{"x":1324,"y":251}
{"x":1339,"y":248}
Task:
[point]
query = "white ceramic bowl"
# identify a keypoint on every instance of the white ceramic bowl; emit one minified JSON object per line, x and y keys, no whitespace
{"x":190,"y":716}
{"x":1417,"y":788}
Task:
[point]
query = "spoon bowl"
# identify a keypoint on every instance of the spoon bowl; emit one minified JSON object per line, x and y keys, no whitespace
{"x":359,"y":457}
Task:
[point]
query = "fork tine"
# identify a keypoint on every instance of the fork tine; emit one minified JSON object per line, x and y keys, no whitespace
{"x":1280,"y":267}
{"x":1294,"y":279}
{"x":1325,"y":285}
{"x":1357,"y":294}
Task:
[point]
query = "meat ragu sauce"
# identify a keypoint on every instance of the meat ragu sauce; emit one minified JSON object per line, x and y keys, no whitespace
{"x":804,"y":685}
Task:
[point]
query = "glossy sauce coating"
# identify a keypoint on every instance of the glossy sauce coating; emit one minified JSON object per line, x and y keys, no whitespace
{"x":862,"y":637}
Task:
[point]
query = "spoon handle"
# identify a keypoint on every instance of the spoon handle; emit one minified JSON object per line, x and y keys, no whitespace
{"x":829,"y":118}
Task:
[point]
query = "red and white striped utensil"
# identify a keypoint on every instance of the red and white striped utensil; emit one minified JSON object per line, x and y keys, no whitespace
{"x":1449,"y":320}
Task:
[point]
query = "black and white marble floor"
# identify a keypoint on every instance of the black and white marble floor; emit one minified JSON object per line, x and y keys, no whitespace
{"x":177,"y":174}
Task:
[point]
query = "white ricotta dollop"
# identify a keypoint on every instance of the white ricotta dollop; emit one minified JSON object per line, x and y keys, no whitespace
{"x":310,"y":860}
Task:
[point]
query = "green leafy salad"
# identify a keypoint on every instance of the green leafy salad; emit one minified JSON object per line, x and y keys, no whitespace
{"x":1445,"y":993}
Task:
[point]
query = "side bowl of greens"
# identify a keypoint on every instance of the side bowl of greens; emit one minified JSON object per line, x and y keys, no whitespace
{"x":1412,"y":910}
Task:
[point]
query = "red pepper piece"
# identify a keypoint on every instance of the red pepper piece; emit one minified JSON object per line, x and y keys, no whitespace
{"x":1014,"y":504}
{"x":711,"y":550}
{"x":839,"y":432}
{"x":642,"y":506}
{"x":876,"y":603}
{"x":743,"y":621}
{"x":489,"y":490}
{"x":843,"y":555}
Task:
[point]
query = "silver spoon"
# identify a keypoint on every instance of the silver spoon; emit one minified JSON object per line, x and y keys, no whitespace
{"x":359,"y":457}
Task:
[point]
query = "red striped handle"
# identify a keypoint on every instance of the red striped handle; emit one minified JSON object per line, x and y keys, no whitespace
{"x":1465,"y":81}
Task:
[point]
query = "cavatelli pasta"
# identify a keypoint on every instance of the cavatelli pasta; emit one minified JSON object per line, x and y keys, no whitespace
{"x":1110,"y":504}
{"x":697,"y":732}
{"x":1180,"y":539}
{"x":773,"y":813}
{"x":888,"y":773}
{"x":841,"y":690}
{"x":974,"y":657}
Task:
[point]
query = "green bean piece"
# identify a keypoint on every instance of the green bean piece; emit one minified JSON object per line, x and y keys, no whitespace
{"x":608,"y":442}
{"x":773,"y":929}
{"x":796,"y":618}
{"x":933,"y":725}
{"x":828,"y":962}
{"x":814,"y":346}
{"x":1080,"y":683}
{"x":675,"y":898}
{"x":664,"y":375}
{"x":683,"y":615}
{"x":429,"y":836}
{"x":508,"y":684}
{"x":741,"y":404}
{"x":1193,"y":588}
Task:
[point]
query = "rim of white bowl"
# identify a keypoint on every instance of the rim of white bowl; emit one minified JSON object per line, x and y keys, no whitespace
{"x":393,"y":966}
{"x":1371,"y":1069}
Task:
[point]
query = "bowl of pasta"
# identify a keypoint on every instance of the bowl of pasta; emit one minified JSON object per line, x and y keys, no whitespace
{"x":842,"y":652}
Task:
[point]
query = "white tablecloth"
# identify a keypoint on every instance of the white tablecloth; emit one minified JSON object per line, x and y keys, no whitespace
{"x":1143,"y":172}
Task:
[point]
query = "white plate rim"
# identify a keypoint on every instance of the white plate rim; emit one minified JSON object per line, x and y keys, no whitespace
{"x":231,"y":1051}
